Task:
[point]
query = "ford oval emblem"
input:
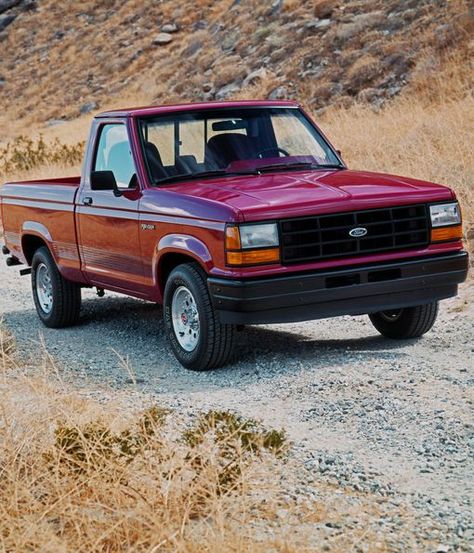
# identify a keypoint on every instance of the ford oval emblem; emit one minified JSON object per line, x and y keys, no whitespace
{"x":358,"y":232}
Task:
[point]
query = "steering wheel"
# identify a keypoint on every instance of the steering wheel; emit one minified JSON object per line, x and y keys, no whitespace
{"x":276,"y":149}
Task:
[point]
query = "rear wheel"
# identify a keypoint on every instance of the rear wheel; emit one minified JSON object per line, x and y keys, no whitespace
{"x":198,"y":340}
{"x":409,"y":322}
{"x":57,"y":300}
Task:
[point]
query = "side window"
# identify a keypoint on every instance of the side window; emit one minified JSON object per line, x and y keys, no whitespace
{"x":114,"y":154}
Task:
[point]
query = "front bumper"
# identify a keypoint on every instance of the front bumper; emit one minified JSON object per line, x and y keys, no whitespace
{"x":349,"y":291}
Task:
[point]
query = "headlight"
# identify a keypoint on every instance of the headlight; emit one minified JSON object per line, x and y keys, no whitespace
{"x":445,"y":214}
{"x":259,"y":236}
{"x":445,"y":222}
{"x":252,"y":244}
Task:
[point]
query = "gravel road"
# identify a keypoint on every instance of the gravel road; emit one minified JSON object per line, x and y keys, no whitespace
{"x":363,"y":412}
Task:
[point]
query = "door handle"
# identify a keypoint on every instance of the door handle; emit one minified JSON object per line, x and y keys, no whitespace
{"x":87,"y":200}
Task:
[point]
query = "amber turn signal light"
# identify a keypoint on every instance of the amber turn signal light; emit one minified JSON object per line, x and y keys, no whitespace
{"x":254,"y":257}
{"x":232,"y":238}
{"x":443,"y":234}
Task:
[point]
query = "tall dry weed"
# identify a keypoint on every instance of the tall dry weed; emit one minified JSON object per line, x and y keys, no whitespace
{"x":25,"y":154}
{"x":7,"y":347}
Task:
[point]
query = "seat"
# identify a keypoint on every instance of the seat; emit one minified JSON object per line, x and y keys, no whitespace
{"x":223,"y":149}
{"x":154,"y":161}
{"x":186,"y":165}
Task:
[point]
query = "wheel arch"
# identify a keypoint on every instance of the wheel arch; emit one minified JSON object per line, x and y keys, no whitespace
{"x":173,"y":250}
{"x":30,"y":243}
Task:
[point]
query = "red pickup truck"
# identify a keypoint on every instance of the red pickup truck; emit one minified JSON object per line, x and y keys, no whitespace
{"x":229,"y":214}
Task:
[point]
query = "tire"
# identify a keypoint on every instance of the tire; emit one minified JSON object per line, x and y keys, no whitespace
{"x":409,"y":322}
{"x":198,"y":340}
{"x":58,"y":303}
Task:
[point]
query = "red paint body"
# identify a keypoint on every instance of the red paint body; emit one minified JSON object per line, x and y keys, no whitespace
{"x":104,"y":244}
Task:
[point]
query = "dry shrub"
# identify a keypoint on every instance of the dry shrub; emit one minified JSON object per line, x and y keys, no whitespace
{"x":364,"y":71}
{"x":325,"y":8}
{"x":24,"y":154}
{"x":77,"y":476}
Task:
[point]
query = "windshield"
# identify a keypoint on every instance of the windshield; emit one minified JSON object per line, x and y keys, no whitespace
{"x":216,"y":142}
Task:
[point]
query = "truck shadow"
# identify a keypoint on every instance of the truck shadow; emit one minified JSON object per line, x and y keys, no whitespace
{"x":118,"y":327}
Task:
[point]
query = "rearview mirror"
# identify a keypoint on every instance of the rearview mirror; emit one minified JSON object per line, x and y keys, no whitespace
{"x":104,"y":180}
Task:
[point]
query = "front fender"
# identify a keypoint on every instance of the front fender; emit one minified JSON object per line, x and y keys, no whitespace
{"x":181,"y":244}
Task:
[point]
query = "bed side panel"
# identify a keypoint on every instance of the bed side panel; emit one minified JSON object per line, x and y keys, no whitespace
{"x":45,"y":211}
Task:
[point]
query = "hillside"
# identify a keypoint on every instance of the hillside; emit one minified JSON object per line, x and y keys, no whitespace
{"x":62,"y":59}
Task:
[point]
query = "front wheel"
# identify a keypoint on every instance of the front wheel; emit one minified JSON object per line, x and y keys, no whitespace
{"x":198,"y":340}
{"x":409,"y":322}
{"x":57,"y":300}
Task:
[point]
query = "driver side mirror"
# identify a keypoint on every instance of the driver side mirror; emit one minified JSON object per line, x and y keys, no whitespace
{"x":104,"y":180}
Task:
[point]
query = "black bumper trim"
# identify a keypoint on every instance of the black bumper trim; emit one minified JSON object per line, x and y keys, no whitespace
{"x":349,"y":291}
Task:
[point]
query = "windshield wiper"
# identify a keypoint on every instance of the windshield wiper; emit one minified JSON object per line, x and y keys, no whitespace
{"x":297,"y":165}
{"x":330,"y":166}
{"x":294,"y":165}
{"x":202,"y":174}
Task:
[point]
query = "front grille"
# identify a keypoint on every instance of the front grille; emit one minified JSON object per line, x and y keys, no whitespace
{"x":327,"y":236}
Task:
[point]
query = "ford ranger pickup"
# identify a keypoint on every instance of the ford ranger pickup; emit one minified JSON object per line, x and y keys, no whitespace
{"x":230,"y":214}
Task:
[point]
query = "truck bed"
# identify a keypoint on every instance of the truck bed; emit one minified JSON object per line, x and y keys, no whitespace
{"x":42,"y":209}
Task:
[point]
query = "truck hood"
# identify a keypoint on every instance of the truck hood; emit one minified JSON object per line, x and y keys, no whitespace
{"x":289,"y":194}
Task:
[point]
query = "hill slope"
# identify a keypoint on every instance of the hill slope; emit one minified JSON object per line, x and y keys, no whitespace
{"x":61,"y":59}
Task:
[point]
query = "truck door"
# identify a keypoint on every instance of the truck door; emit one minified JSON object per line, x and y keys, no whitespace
{"x":108,"y":225}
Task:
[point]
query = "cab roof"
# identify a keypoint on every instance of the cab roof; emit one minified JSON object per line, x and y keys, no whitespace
{"x":164,"y":109}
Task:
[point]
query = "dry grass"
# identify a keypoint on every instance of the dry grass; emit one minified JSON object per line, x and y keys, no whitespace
{"x":25,"y":154}
{"x":87,"y":476}
{"x":7,"y":348}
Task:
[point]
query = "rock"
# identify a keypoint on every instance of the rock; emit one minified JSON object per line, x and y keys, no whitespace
{"x":88,"y":107}
{"x":318,"y":24}
{"x":7,"y":4}
{"x":278,"y":93}
{"x":170,"y":28}
{"x":200,"y":25}
{"x":2,"y":81}
{"x":229,"y":41}
{"x":6,"y":20}
{"x":162,"y":38}
{"x":193,"y":48}
{"x":55,"y":122}
{"x":256,"y":75}
{"x":28,"y":6}
{"x":207,"y":87}
{"x":393,"y":90}
{"x":276,"y":7}
{"x":137,"y":54}
{"x":227,"y":90}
